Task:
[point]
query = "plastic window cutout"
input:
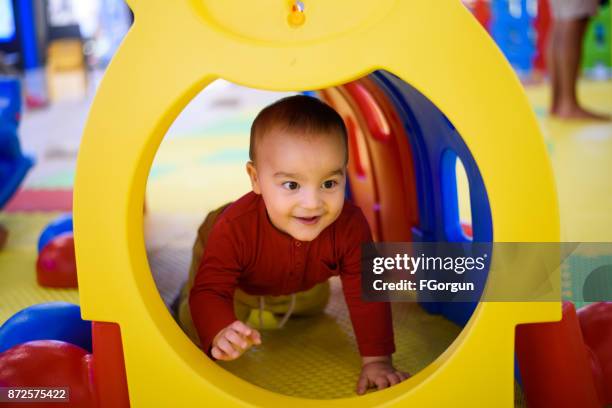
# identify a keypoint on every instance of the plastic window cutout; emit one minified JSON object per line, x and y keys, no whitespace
{"x":7,"y":23}
{"x":515,"y":8}
{"x":532,"y":8}
{"x":464,"y":199}
{"x":375,"y":119}
{"x":455,"y":194}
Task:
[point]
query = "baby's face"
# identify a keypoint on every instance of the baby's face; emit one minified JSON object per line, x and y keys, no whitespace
{"x":301,"y":179}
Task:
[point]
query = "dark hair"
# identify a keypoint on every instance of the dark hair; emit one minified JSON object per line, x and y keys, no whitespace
{"x":299,"y":113}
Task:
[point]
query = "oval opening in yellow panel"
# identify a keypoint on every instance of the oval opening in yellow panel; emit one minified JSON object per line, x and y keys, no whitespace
{"x":199,"y":166}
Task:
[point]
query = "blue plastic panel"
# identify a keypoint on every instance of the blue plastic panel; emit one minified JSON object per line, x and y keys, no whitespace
{"x":432,"y":136}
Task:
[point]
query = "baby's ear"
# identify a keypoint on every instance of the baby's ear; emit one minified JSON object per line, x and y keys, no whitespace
{"x":252,"y":172}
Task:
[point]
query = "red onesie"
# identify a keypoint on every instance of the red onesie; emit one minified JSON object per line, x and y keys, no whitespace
{"x":244,"y":250}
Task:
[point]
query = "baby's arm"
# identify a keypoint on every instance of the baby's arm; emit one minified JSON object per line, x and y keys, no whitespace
{"x":372,"y":321}
{"x":211,"y":298}
{"x":232,"y":341}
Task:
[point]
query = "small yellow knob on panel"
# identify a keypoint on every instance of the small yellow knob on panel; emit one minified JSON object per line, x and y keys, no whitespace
{"x":296,"y":17}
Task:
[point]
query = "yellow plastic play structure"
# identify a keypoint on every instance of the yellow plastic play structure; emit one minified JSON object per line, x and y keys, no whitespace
{"x":177,"y":48}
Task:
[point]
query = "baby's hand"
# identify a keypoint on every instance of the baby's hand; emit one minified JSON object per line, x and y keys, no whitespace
{"x":235,"y":339}
{"x":380,"y":374}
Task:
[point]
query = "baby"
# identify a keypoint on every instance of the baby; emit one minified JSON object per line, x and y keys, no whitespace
{"x":290,"y":234}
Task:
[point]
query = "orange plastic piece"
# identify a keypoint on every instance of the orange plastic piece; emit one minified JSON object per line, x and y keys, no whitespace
{"x":392,"y":161}
{"x":555,"y":365}
{"x":482,"y":12}
{"x":361,"y":179}
{"x":374,"y":117}
{"x":108,"y":366}
{"x":596,"y":326}
{"x":542,"y":25}
{"x":56,"y":263}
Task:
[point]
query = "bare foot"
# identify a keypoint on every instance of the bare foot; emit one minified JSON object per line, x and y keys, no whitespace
{"x":578,"y":113}
{"x":3,"y":236}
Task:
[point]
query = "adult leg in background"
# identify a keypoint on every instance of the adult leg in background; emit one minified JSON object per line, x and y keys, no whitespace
{"x":565,"y":52}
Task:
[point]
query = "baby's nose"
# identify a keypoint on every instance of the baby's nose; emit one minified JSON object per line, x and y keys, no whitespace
{"x":311,"y":200}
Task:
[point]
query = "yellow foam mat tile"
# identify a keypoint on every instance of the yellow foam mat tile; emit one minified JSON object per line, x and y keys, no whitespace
{"x":18,"y":287}
{"x":316,"y":357}
{"x":581,"y":155}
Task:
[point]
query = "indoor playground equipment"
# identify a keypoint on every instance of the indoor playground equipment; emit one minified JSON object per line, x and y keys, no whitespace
{"x":597,"y":53}
{"x":56,"y":263}
{"x":519,"y":27}
{"x":578,"y":350}
{"x":409,"y":123}
{"x":513,"y":29}
{"x":60,"y":225}
{"x":325,"y":44}
{"x":60,"y":321}
{"x":14,"y":165}
{"x":388,"y":122}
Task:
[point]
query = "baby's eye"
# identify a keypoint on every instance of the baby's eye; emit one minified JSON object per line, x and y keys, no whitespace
{"x":330,"y":184}
{"x":290,"y":185}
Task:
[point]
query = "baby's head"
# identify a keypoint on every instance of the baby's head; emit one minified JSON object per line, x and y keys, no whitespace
{"x":298,"y":162}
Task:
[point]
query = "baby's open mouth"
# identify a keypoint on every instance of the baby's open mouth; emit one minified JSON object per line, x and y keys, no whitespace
{"x":308,"y":220}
